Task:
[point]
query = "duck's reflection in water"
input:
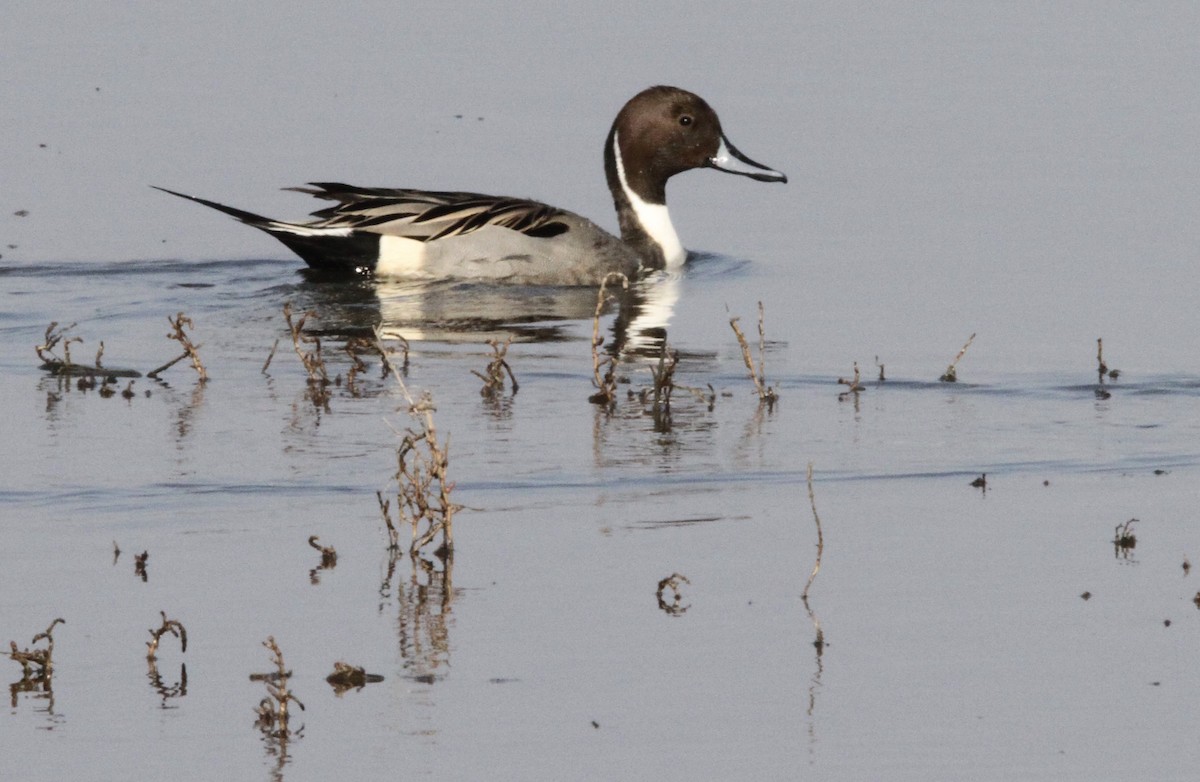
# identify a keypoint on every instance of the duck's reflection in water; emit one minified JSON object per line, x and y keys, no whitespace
{"x":458,"y":312}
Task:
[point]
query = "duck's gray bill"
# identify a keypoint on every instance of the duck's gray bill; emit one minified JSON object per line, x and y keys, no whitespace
{"x":731,"y":161}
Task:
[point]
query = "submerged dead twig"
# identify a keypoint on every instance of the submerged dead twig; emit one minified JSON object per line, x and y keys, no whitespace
{"x":758,"y":374}
{"x":493,"y":376}
{"x":189,"y":350}
{"x":328,"y":553}
{"x":606,"y":385}
{"x":853,"y":386}
{"x":42,"y":659}
{"x":328,"y":559}
{"x":1124,"y":540}
{"x":271,"y":355}
{"x":1102,"y":368}
{"x":172,"y":626}
{"x":672,"y":582}
{"x":951,"y":373}
{"x":273,"y":711}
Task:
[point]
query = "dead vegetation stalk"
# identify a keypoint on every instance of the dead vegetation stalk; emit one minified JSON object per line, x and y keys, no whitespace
{"x":951,"y":373}
{"x":758,"y":374}
{"x":178,"y":324}
{"x":273,"y":711}
{"x":313,"y":361}
{"x":172,"y":626}
{"x":493,"y":376}
{"x":53,"y":337}
{"x":812,"y":500}
{"x":422,"y":474}
{"x":43,"y":658}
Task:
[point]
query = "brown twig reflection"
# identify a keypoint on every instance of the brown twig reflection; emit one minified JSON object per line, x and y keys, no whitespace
{"x":425,"y":603}
{"x":819,"y":641}
{"x":165,"y":691}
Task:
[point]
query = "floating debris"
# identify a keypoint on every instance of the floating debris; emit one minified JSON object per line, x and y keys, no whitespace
{"x":980,"y":482}
{"x":1124,"y":540}
{"x":350,"y":677}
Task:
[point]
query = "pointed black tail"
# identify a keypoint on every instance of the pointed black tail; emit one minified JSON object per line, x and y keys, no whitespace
{"x":335,"y":255}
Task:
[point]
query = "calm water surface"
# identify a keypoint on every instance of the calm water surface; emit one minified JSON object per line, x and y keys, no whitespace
{"x":1024,"y":173}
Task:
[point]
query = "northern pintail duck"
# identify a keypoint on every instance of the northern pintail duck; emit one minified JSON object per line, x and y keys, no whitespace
{"x":660,"y":132}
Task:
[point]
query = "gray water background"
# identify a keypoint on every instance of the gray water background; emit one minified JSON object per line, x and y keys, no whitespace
{"x":1026,"y":172}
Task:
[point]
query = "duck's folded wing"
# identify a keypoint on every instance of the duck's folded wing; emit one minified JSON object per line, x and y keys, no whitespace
{"x":426,"y":215}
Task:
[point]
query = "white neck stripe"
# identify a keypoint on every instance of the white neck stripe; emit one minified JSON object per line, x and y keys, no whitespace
{"x":654,"y":219}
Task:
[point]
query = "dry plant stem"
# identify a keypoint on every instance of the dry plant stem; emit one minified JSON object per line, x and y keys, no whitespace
{"x":354,"y":348}
{"x":762,"y":345}
{"x":312,"y":360}
{"x":270,"y":356}
{"x":42,"y":658}
{"x":273,"y":710}
{"x":52,"y":338}
{"x":606,"y":386}
{"x":757,"y":374}
{"x":189,"y":350}
{"x":171,"y":626}
{"x":812,"y":500}
{"x":951,"y":373}
{"x":422,"y":471}
{"x":328,"y":553}
{"x":854,"y":387}
{"x":493,"y":380}
{"x":385,"y":509}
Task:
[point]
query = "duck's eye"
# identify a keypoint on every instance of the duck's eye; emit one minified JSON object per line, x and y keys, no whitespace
{"x":685,"y":120}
